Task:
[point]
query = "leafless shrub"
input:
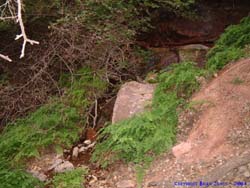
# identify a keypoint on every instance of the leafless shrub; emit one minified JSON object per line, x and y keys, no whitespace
{"x":68,"y":47}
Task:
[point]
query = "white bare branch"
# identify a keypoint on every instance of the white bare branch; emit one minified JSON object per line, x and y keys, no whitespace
{"x":12,"y":10}
{"x":23,"y":33}
{"x":5,"y":57}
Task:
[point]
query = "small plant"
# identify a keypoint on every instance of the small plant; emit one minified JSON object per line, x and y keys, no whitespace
{"x":193,"y":105}
{"x":237,"y":81}
{"x":70,"y":179}
{"x":3,"y":79}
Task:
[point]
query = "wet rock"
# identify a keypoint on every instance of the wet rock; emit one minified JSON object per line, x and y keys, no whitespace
{"x":65,"y":166}
{"x":92,"y":145}
{"x":87,"y":142}
{"x":181,"y":149}
{"x":193,"y":52}
{"x":75,"y":153}
{"x":56,"y":163}
{"x":132,"y":99}
{"x":126,"y":184}
{"x":39,"y":175}
{"x":83,"y":149}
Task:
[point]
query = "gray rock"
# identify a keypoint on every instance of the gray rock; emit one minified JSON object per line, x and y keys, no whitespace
{"x":65,"y":166}
{"x":41,"y":176}
{"x":75,"y":152}
{"x":83,"y":149}
{"x":132,"y":99}
{"x":126,"y":184}
{"x":56,"y":163}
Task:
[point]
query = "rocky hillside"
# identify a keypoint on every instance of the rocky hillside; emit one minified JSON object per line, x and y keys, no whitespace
{"x":127,"y":95}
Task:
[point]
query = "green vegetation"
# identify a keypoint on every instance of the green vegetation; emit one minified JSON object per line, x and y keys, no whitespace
{"x":139,"y":138}
{"x":14,"y":178}
{"x":230,"y":46}
{"x":82,"y":88}
{"x":54,"y":125}
{"x":51,"y":124}
{"x":57,"y":124}
{"x":69,"y":179}
{"x":114,"y":16}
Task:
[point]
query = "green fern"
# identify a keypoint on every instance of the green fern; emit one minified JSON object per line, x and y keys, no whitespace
{"x":230,"y":46}
{"x":54,"y":125}
{"x":69,"y":179}
{"x":15,"y":178}
{"x":140,"y":138}
{"x":51,"y":124}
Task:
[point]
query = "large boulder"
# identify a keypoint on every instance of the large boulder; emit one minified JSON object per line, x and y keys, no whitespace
{"x":132,"y":98}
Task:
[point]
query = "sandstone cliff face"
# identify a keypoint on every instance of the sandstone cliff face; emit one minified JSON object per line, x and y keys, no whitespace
{"x":212,"y":18}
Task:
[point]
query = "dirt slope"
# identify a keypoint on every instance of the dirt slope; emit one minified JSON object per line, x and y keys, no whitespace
{"x":211,"y":136}
{"x":220,"y":131}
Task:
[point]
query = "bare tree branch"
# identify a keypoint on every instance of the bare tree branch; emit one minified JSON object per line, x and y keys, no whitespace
{"x":12,"y":10}
{"x":7,"y":10}
{"x":5,"y":57}
{"x":23,"y":33}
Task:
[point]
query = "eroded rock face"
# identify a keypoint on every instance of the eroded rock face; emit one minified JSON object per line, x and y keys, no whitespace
{"x":132,"y":98}
{"x":163,"y":57}
{"x":212,"y":18}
